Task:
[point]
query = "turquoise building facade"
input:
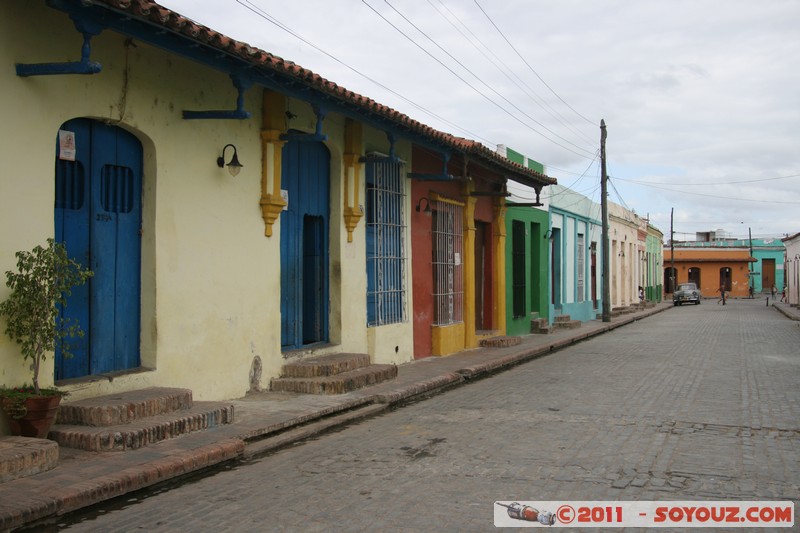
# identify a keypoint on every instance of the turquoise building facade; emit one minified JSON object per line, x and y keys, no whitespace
{"x":575,"y":255}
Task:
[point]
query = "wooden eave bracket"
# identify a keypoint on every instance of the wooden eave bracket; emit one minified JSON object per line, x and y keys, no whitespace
{"x":241,"y":83}
{"x":84,"y":66}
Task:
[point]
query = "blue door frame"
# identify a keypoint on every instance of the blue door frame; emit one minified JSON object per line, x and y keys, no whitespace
{"x":98,"y":202}
{"x":304,"y":244}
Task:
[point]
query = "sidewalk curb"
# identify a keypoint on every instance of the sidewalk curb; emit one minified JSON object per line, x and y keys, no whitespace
{"x":37,"y":506}
{"x":32,"y":507}
{"x":259,"y":447}
{"x":788,"y":314}
{"x":297,"y":429}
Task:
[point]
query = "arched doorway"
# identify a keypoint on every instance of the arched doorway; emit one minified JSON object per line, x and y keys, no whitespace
{"x":725,"y":275}
{"x":694,"y":276}
{"x":98,"y":216}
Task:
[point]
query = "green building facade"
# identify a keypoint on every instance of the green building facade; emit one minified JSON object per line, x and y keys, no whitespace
{"x":526,"y":267}
{"x":654,"y":258}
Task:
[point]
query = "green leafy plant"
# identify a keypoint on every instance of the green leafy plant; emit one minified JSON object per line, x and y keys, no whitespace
{"x":44,"y":279}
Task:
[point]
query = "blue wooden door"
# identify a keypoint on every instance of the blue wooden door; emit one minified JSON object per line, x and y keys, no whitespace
{"x":304,"y":244}
{"x":98,"y":203}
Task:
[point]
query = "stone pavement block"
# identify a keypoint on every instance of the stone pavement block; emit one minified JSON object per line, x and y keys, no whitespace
{"x":619,"y":402}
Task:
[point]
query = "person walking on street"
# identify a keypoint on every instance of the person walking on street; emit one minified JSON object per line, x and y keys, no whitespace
{"x":783,"y":294}
{"x":774,"y":292}
{"x":721,"y":292}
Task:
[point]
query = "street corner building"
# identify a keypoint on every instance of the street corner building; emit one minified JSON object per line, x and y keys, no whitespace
{"x":710,"y":269}
{"x":238,"y":210}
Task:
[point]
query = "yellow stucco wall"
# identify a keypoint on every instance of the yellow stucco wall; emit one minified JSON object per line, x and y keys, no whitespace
{"x":447,"y":340}
{"x":210,"y":277}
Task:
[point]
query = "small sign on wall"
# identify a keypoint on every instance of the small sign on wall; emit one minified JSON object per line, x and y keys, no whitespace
{"x":285,"y":196}
{"x":66,"y":145}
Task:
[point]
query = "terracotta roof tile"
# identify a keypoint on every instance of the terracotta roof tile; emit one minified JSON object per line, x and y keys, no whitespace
{"x":177,"y":23}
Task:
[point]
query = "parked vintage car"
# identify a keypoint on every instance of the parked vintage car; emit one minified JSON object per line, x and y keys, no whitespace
{"x":686,"y":293}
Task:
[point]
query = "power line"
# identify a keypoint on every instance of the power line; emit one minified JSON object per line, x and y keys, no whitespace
{"x":467,"y":83}
{"x":514,"y":78}
{"x":260,"y":12}
{"x":640,"y":182}
{"x":692,"y":193}
{"x":570,"y":186}
{"x":529,"y":66}
{"x":247,"y":4}
{"x":478,"y":77}
{"x":596,"y":155}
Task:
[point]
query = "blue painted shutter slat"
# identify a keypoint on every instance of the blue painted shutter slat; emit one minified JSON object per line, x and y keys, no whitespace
{"x":304,"y":248}
{"x":72,"y":214}
{"x":107,"y":238}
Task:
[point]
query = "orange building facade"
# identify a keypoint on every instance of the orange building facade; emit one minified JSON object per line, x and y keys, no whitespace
{"x":709,"y":268}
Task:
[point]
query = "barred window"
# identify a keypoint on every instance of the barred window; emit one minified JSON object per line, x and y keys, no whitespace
{"x":116,"y":189}
{"x":448,"y":285}
{"x":70,"y":185}
{"x":385,"y":225}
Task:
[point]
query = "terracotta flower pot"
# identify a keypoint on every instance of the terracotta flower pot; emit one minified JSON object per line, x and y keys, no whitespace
{"x":40,"y":416}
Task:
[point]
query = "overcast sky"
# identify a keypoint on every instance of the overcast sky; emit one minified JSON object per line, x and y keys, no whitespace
{"x":701,"y":98}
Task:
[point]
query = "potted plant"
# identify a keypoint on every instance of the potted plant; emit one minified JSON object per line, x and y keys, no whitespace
{"x":44,"y":279}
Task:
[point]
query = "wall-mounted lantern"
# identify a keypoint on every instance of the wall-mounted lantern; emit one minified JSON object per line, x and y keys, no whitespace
{"x":234,"y":166}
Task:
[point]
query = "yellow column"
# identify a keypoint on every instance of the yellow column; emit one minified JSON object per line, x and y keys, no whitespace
{"x":352,"y":176}
{"x":470,"y":335}
{"x":499,"y":266}
{"x":274,"y":124}
{"x":451,"y":338}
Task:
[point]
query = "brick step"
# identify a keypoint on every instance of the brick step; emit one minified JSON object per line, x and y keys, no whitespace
{"x":326,"y":365}
{"x":626,"y":310}
{"x":125,"y":407}
{"x":541,"y":326}
{"x":501,"y":342}
{"x":540,"y":323}
{"x":336,"y":384}
{"x":24,"y":456}
{"x":619,"y":311}
{"x":141,"y":432}
{"x":562,"y":318}
{"x":571,"y":324}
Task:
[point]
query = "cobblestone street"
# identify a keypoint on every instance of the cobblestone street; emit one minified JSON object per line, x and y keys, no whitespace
{"x":694,"y":403}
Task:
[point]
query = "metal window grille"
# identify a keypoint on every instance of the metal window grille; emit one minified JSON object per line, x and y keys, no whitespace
{"x":116,"y":189}
{"x":581,"y":267}
{"x":386,"y":261}
{"x":448,"y":281}
{"x":518,"y":268}
{"x":70,"y":182}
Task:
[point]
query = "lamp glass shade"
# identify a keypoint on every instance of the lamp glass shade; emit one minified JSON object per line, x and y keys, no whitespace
{"x":234,"y":166}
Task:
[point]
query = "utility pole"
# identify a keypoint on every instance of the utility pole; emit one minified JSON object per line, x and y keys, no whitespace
{"x":604,"y":205}
{"x":672,"y":250}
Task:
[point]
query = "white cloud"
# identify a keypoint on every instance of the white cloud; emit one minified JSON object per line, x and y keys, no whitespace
{"x":692,"y":92}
